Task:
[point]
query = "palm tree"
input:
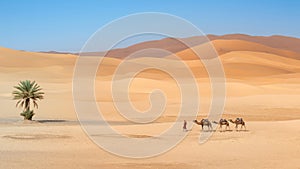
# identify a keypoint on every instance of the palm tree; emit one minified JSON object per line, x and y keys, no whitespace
{"x":26,"y":92}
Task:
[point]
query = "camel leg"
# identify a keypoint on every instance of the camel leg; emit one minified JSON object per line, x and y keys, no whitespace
{"x":208,"y":128}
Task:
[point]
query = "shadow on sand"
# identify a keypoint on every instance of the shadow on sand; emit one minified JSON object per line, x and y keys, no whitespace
{"x":242,"y":130}
{"x":52,"y":121}
{"x":225,"y":131}
{"x":57,"y":122}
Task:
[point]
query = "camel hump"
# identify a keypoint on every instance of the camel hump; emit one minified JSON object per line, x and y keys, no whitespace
{"x":239,"y":119}
{"x":205,"y":120}
{"x":223,"y":120}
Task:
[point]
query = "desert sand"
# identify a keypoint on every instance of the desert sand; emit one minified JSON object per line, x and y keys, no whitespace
{"x":262,"y":86}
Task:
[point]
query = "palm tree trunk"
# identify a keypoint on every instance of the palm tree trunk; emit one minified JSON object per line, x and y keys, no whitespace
{"x":27,"y":108}
{"x":27,"y":104}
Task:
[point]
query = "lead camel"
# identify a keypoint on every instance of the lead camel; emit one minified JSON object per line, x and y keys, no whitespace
{"x":204,"y":122}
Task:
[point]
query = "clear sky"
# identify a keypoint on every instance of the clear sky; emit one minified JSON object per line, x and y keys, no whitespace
{"x":65,"y":25}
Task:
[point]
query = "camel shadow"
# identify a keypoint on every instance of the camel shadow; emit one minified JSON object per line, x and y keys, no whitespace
{"x":208,"y":130}
{"x":242,"y":130}
{"x":222,"y":131}
{"x":230,"y":130}
{"x":226,"y":130}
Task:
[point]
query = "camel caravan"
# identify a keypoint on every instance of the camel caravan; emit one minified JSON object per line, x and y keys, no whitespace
{"x":222,"y":122}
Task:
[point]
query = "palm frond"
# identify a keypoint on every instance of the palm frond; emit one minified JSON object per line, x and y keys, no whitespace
{"x":35,"y":104}
{"x":18,"y":103}
{"x":27,"y":90}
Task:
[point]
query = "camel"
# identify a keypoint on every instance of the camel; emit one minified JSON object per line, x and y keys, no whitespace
{"x":238,"y":121}
{"x":222,"y":122}
{"x":204,"y":122}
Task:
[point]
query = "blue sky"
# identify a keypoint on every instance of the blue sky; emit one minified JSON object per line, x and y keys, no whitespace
{"x":44,"y":25}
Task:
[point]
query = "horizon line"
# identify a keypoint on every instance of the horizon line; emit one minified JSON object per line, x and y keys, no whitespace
{"x":77,"y":52}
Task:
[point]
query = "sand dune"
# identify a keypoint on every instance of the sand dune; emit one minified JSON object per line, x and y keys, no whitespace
{"x":255,"y":64}
{"x":262,"y":86}
{"x":275,"y":41}
{"x":247,"y":67}
{"x":175,"y":45}
{"x":225,"y":46}
{"x":13,"y":58}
